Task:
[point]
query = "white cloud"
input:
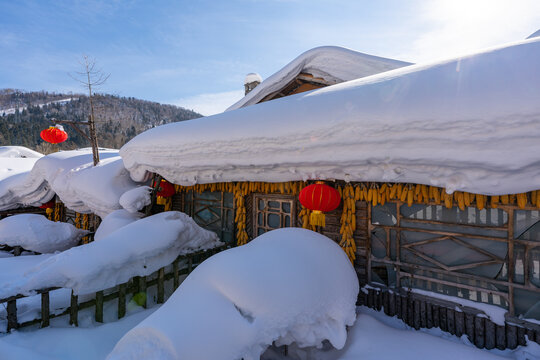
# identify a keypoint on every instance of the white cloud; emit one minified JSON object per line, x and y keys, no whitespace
{"x":210,"y":103}
{"x":462,"y":26}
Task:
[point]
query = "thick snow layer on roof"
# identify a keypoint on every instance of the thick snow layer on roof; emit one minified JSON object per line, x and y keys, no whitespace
{"x":332,"y":63}
{"x":137,"y":249}
{"x":238,"y":302}
{"x":535,"y":34}
{"x":470,"y":124}
{"x":16,"y":160}
{"x":72,"y":176}
{"x":37,"y":233}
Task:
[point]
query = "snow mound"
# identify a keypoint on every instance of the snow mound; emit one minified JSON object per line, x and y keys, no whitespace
{"x":18,"y":152}
{"x":288,"y":285}
{"x":137,"y":249}
{"x":332,"y":63}
{"x":135,"y":199}
{"x":114,"y":221}
{"x":469,"y":124}
{"x":81,"y":186}
{"x":37,"y":233}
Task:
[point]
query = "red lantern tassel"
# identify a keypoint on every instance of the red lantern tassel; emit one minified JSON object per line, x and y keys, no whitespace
{"x":317,"y":218}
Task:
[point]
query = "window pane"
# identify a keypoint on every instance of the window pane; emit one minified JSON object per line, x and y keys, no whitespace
{"x":273,"y":221}
{"x":286,"y":207}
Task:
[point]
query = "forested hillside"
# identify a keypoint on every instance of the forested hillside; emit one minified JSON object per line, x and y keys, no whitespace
{"x":118,"y":119}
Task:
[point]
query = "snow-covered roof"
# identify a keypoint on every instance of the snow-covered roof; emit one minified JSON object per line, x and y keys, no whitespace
{"x":15,"y":163}
{"x":332,"y":63}
{"x":470,"y":124}
{"x":72,"y":176}
{"x":535,"y":34}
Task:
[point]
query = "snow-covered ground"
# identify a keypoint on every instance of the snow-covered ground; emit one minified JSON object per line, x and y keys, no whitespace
{"x":374,"y":336}
{"x":469,"y":124}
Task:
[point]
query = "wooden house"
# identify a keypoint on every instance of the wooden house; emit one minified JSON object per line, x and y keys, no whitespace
{"x":440,"y":204}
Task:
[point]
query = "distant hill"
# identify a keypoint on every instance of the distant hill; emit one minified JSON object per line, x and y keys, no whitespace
{"x":118,"y":119}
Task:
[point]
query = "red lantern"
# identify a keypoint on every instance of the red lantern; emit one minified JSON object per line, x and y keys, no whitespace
{"x":47,"y":205}
{"x":54,"y":134}
{"x":320,"y":198}
{"x":166,"y":189}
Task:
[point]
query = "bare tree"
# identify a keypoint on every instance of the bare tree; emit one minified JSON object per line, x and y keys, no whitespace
{"x":90,"y":78}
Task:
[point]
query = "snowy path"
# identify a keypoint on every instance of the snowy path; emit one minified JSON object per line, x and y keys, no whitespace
{"x":374,"y":336}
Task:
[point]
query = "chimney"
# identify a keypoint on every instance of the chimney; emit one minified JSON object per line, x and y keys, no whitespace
{"x":251,"y":81}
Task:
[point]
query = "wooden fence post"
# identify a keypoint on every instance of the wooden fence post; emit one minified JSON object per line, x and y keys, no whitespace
{"x":45,"y":310}
{"x":12,"y":315}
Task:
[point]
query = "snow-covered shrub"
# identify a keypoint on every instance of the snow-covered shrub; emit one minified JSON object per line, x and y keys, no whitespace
{"x":37,"y":233}
{"x":288,"y":285}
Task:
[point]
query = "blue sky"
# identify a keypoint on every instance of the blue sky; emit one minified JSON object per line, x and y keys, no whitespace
{"x":196,"y":53}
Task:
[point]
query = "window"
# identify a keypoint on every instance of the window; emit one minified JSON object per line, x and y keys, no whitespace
{"x":213,"y":211}
{"x":463,"y":253}
{"x":273,"y":212}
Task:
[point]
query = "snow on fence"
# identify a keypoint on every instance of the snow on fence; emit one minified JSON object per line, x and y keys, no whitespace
{"x":182,"y":265}
{"x":420,"y":311}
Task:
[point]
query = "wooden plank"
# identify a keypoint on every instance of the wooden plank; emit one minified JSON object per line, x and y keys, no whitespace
{"x":398,"y":306}
{"x":391,"y":304}
{"x":190,"y":265}
{"x":500,"y":337}
{"x":530,"y":334}
{"x":521,"y":336}
{"x":423,"y":314}
{"x":450,"y":321}
{"x":469,"y":327}
{"x":459,"y":318}
{"x":45,"y":309}
{"x":74,"y":310}
{"x":404,"y":308}
{"x":161,"y":286}
{"x":410,"y":311}
{"x":429,"y":315}
{"x":99,"y":307}
{"x":386,"y":301}
{"x":176,"y":277}
{"x":416,"y":314}
{"x":479,"y":331}
{"x":491,"y":334}
{"x":121,"y":301}
{"x":371,"y":299}
{"x":12,"y":315}
{"x":378,"y":300}
{"x":436,"y":317}
{"x":511,"y":336}
{"x":443,"y":322}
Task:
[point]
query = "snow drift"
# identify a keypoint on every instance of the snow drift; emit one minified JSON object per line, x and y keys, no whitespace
{"x":37,"y":233}
{"x":288,"y":285}
{"x":81,"y":186}
{"x":469,"y":124}
{"x":137,"y":249}
{"x":114,"y":221}
{"x":332,"y":63}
